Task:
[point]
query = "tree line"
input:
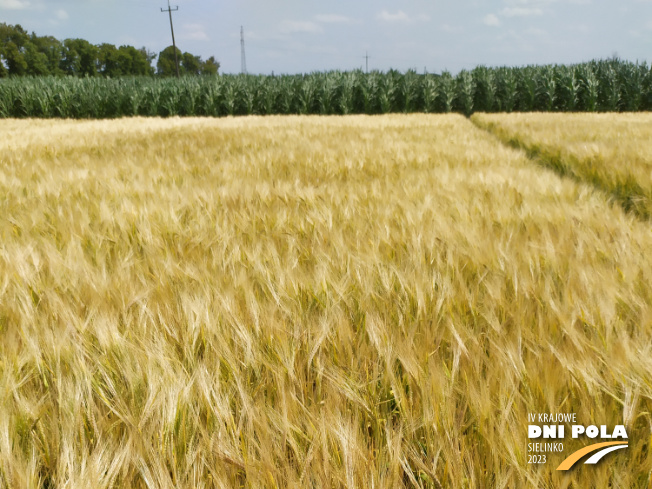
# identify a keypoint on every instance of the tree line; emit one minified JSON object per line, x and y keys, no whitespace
{"x":24,"y":54}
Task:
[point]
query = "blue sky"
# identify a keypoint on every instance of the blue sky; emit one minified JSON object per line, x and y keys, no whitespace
{"x":293,"y":36}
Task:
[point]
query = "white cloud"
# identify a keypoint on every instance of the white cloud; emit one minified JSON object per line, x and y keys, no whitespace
{"x":521,"y":11}
{"x":399,"y":16}
{"x":402,"y":17}
{"x":62,"y":14}
{"x":332,"y":19}
{"x":529,"y":2}
{"x":491,"y":20}
{"x":194,"y":32}
{"x":539,"y":3}
{"x":535,"y":31}
{"x":300,"y":26}
{"x":14,"y":4}
{"x":451,"y":29}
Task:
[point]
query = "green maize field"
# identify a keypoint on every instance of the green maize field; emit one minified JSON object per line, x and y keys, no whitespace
{"x":607,"y":86}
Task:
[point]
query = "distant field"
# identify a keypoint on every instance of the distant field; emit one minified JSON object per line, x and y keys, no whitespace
{"x":610,"y":151}
{"x":311,"y":302}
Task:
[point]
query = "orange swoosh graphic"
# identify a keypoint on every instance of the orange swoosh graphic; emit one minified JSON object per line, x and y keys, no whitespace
{"x":575,"y":456}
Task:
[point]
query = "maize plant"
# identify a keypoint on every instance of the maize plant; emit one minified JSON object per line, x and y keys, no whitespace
{"x":430,"y":91}
{"x":447,"y":91}
{"x":630,"y":80}
{"x":232,"y":97}
{"x":609,"y":93}
{"x":210,"y":101}
{"x":412,"y":92}
{"x":568,"y":88}
{"x":589,"y":84}
{"x":152,"y":100}
{"x":506,"y":89}
{"x":370,"y":87}
{"x":188,"y":99}
{"x":527,"y":89}
{"x":484,"y":98}
{"x":328,"y":92}
{"x":646,"y":88}
{"x":307,"y":96}
{"x":285,"y":96}
{"x":465,"y":89}
{"x":546,"y":86}
{"x":250,"y":94}
{"x":346,"y":100}
{"x":388,"y":93}
{"x":171,"y":100}
{"x":269,"y":94}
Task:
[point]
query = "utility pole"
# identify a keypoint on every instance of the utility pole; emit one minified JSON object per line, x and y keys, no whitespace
{"x":366,"y":58}
{"x":169,"y":10}
{"x":243,"y":58}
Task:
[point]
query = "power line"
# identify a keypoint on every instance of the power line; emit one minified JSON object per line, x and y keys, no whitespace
{"x":169,"y":10}
{"x":243,"y":58}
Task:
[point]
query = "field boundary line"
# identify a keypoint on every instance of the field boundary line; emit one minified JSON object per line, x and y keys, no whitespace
{"x":629,"y":195}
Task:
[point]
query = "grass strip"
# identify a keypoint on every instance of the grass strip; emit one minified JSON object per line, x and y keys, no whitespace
{"x":622,"y":188}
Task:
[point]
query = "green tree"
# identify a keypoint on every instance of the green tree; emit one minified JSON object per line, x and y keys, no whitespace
{"x":52,"y":49}
{"x":134,"y":61}
{"x":37,"y":62}
{"x":191,"y":64}
{"x":12,"y":39}
{"x":13,"y":33}
{"x":15,"y":60}
{"x":107,"y":60}
{"x":165,"y":66}
{"x":70,"y":60}
{"x":28,"y":54}
{"x":79,"y":58}
{"x":126,"y":60}
{"x":149,"y":56}
{"x":210,"y":66}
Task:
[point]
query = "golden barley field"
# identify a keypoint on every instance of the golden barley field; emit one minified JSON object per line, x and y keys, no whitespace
{"x":613,"y":152}
{"x":323,"y":302}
